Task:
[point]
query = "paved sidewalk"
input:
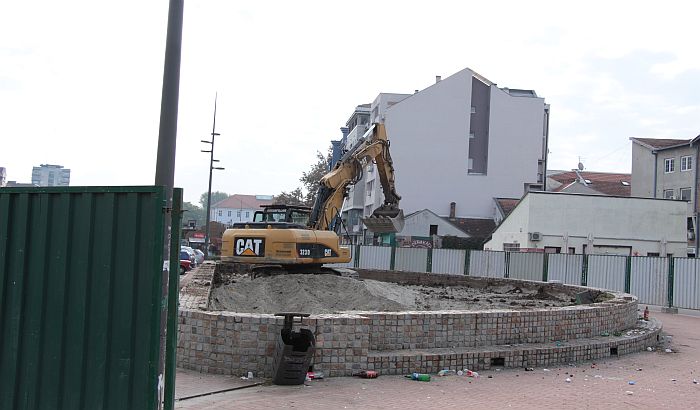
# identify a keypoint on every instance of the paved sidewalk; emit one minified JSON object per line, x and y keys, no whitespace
{"x":661,"y":380}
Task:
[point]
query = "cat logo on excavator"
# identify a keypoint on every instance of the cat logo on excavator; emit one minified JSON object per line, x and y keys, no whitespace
{"x":250,"y":247}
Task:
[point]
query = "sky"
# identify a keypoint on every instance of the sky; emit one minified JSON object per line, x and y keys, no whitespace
{"x":81,"y":81}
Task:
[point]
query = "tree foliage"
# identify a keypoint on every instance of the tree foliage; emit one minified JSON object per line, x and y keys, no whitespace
{"x":311,"y":178}
{"x":306,"y":194}
{"x":193,"y":211}
{"x":295,"y":197}
{"x":216,"y":196}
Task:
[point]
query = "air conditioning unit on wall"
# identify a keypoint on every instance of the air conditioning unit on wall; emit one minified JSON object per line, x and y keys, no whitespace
{"x":535,"y":236}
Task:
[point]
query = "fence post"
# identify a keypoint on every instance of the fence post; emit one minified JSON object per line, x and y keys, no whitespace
{"x":669,"y":285}
{"x":392,"y":262}
{"x":467,"y":255}
{"x":429,"y":261}
{"x":357,"y":256}
{"x":628,"y":274}
{"x":545,"y":267}
{"x":584,"y":270}
{"x":506,"y":268}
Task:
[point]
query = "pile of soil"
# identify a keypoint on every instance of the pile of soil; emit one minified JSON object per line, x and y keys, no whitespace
{"x":333,"y":294}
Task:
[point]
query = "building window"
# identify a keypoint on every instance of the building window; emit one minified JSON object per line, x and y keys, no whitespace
{"x":686,"y":163}
{"x":433,"y":230}
{"x":229,"y":213}
{"x":471,"y":135}
{"x":238,"y":214}
{"x":511,"y":247}
{"x":368,"y":210}
{"x":247,"y":214}
{"x":668,"y":194}
{"x":370,"y":187}
{"x":669,"y":165}
{"x":473,"y":110}
{"x":220,"y":212}
{"x":685,"y":194}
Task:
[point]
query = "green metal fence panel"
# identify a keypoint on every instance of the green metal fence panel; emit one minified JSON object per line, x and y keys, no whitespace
{"x":526,"y":266}
{"x":80,"y":285}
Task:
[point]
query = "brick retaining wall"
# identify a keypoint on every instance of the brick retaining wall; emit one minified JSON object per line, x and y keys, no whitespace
{"x":235,"y":343}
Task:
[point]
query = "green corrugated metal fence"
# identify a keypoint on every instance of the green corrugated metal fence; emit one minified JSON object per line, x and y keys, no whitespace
{"x":80,"y":297}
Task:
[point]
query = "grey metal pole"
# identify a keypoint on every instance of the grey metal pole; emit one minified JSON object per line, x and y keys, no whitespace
{"x":211,"y":170}
{"x":165,"y":165}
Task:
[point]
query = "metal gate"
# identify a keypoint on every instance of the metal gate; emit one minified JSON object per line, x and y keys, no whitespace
{"x":81,"y":297}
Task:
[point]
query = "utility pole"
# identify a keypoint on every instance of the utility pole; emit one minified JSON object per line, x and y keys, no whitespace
{"x":165,"y":176}
{"x":211,"y":170}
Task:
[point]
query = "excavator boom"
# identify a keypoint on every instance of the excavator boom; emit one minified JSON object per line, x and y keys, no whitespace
{"x":372,"y":147}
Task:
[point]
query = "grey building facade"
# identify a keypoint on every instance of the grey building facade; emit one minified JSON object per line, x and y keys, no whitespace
{"x":462,"y":140}
{"x":668,"y":169}
{"x":50,"y":175}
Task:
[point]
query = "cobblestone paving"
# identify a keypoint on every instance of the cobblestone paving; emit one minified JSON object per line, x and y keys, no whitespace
{"x":660,"y":380}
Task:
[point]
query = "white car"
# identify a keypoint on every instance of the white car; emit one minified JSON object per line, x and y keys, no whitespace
{"x":199,"y":256}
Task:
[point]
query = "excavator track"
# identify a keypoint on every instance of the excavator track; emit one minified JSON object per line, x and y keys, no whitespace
{"x":263,"y":271}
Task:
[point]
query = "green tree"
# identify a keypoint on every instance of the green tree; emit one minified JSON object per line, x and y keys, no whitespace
{"x":311,"y":178}
{"x":295,"y":197}
{"x":215,"y":197}
{"x":193,"y":212}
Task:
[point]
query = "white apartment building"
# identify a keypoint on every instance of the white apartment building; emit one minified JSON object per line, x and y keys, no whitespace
{"x":50,"y":175}
{"x":462,"y":140}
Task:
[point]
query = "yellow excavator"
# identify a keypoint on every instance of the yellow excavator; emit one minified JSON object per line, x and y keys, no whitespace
{"x":298,"y":239}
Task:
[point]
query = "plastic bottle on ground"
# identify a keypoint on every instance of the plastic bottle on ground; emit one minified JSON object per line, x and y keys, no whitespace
{"x":421,"y":377}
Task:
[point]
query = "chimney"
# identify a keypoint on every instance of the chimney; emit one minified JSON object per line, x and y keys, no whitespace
{"x":345,"y":131}
{"x":453,"y":208}
{"x":438,"y":78}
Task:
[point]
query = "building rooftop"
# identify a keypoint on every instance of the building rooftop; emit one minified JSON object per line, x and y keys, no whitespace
{"x":519,"y":93}
{"x":507,"y":205}
{"x":474,"y":227}
{"x":660,"y":143}
{"x":607,"y":183}
{"x":244,"y":202}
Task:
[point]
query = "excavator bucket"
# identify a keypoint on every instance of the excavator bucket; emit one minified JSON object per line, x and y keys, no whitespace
{"x":390,"y":222}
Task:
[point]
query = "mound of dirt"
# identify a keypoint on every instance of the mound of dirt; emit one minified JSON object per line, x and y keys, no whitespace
{"x":332,"y":294}
{"x":300,"y":293}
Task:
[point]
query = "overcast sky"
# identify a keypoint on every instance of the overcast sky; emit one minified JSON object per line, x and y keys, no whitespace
{"x":80,"y":81}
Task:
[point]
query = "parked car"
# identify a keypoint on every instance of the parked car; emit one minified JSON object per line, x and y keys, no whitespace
{"x":199,"y":256}
{"x":185,"y":262}
{"x":190,"y":252}
{"x":185,"y":266}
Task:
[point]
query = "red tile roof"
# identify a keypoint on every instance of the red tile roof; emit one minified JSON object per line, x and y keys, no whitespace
{"x":507,"y":205}
{"x":606,"y":183}
{"x":242,"y":202}
{"x":474,"y":227}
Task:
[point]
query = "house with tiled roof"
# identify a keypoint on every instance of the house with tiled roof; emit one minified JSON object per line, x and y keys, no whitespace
{"x":238,"y":208}
{"x":587,"y":182}
{"x":668,"y":168}
{"x":426,"y":223}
